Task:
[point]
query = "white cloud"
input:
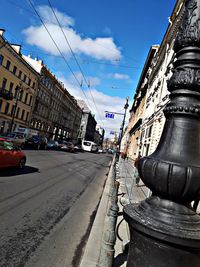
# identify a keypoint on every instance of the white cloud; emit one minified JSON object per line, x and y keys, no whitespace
{"x":98,"y":48}
{"x":120,"y":76}
{"x":103,"y":103}
{"x":48,"y":16}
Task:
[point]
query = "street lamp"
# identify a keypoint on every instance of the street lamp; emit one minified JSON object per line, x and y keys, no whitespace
{"x":165,"y":228}
{"x":123,"y":122}
{"x":18,"y":92}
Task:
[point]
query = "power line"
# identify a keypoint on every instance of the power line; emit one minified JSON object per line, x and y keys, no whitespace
{"x":28,"y":10}
{"x":74,"y":56}
{"x":58,"y":49}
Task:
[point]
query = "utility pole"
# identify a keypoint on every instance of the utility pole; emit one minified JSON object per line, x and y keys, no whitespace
{"x":19,"y":90}
{"x":123,"y":122}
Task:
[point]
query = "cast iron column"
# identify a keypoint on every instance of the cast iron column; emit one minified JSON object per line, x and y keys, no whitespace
{"x":165,"y":230}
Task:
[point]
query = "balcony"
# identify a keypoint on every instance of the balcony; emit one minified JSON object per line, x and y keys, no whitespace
{"x":6,"y":94}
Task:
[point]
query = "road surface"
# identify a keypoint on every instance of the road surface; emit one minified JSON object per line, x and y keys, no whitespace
{"x":46,"y":210}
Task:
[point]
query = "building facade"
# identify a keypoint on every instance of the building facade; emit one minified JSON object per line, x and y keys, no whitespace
{"x":56,"y":113}
{"x":18,"y":88}
{"x":133,"y":134}
{"x":157,"y":93}
{"x":147,"y":118}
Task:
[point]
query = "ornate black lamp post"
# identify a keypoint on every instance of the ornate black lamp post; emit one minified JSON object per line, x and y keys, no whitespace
{"x":165,"y":230}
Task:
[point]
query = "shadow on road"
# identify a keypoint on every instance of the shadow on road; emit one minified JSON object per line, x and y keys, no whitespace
{"x":14,"y":171}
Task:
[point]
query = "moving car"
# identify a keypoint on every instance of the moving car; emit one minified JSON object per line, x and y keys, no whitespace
{"x":18,"y":139}
{"x":37,"y":142}
{"x":11,"y":156}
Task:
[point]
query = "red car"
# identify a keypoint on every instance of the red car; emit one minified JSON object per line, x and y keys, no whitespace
{"x":11,"y":156}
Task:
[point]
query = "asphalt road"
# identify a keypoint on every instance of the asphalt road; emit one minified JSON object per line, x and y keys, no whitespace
{"x":47,"y":209}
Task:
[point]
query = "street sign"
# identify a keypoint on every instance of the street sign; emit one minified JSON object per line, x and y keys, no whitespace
{"x":109,"y":115}
{"x":112,"y":132}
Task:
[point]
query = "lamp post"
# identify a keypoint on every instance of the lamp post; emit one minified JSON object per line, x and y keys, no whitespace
{"x":123,"y":122}
{"x":165,"y":229}
{"x":18,"y":91}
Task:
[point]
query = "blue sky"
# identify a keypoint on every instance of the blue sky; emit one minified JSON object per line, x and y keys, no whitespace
{"x":110,"y":39}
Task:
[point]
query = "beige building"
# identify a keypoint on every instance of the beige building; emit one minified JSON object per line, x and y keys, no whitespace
{"x":56,"y":113}
{"x":157,"y":94}
{"x":133,"y":132}
{"x":147,"y":118}
{"x":18,"y":88}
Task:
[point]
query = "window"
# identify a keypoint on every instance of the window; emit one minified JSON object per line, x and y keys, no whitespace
{"x":13,"y":110}
{"x":15,"y":94}
{"x":27,"y":115}
{"x":11,"y":87}
{"x":7,"y":108}
{"x":6,"y":145}
{"x":33,"y":85}
{"x":8,"y":65}
{"x":14,"y":70}
{"x":17,"y":115}
{"x":24,"y":78}
{"x":0,"y":104}
{"x":26,"y":97}
{"x":29,"y":81}
{"x":22,"y":116}
{"x":21,"y":95}
{"x":147,"y":150}
{"x":30,"y":100}
{"x":1,"y":59}
{"x":20,"y":74}
{"x":4,"y":83}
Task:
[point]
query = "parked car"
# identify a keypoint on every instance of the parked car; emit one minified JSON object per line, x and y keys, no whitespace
{"x":78,"y":148}
{"x":11,"y":156}
{"x":68,"y":146}
{"x":18,"y":139}
{"x":52,"y":144}
{"x":37,"y":142}
{"x":61,"y":143}
{"x":100,"y":150}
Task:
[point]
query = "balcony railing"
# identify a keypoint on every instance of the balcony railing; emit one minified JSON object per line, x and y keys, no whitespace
{"x":6,"y":94}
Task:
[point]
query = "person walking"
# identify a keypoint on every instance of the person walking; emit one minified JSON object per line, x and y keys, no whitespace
{"x":137,"y":179}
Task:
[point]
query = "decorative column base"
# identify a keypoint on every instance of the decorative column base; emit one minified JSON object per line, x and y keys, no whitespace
{"x":163,"y":234}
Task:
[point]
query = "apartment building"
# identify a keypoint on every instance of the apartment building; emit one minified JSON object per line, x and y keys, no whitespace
{"x":133,"y":134}
{"x":146,"y":116}
{"x":157,"y":93}
{"x":18,"y":88}
{"x":56,"y":113}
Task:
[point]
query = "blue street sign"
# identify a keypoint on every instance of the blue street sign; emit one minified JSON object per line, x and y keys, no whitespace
{"x":112,"y":132}
{"x":109,"y":115}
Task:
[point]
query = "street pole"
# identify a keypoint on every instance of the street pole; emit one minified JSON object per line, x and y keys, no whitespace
{"x":15,"y":107}
{"x":165,"y":228}
{"x":123,"y":122}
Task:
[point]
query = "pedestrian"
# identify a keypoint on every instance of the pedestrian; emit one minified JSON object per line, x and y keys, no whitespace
{"x":137,"y":177}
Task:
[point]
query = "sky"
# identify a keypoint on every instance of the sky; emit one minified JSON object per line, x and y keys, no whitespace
{"x":99,"y":47}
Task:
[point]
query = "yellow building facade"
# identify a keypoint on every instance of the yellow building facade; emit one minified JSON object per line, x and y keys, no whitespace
{"x":18,"y":88}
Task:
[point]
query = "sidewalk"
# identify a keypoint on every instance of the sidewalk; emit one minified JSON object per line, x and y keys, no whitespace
{"x":131,"y":194}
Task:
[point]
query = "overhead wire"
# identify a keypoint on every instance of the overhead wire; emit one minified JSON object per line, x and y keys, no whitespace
{"x":28,"y":10}
{"x":76,"y":60}
{"x":80,"y":85}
